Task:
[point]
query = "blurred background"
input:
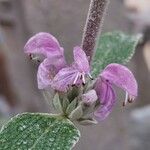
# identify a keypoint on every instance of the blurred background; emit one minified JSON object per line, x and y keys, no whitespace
{"x":126,"y":128}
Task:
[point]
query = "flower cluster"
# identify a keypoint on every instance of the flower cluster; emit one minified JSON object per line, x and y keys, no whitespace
{"x":55,"y":73}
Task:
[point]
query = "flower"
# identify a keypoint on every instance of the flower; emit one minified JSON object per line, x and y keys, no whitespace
{"x":114,"y":74}
{"x":90,"y":97}
{"x":74,"y":74}
{"x":44,"y":44}
{"x":53,"y":71}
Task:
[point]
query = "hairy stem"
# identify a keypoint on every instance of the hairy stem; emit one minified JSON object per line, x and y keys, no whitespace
{"x":93,"y":26}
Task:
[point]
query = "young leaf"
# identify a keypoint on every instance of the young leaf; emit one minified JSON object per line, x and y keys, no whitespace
{"x":114,"y":47}
{"x":57,"y":103}
{"x":38,"y":131}
{"x":89,"y":109}
{"x":65,"y":104}
{"x":71,"y":106}
{"x":48,"y":96}
{"x":88,"y":121}
{"x":76,"y":113}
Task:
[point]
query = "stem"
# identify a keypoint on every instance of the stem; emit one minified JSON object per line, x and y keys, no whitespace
{"x":93,"y":26}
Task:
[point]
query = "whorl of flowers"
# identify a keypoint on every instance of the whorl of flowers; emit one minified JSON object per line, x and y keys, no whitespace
{"x":74,"y":83}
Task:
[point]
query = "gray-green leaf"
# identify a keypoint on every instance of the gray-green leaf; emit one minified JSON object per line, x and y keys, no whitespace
{"x":71,"y":106}
{"x":57,"y":103}
{"x":114,"y":47}
{"x":88,"y":121}
{"x":65,"y":104}
{"x":38,"y":131}
{"x":76,"y":113}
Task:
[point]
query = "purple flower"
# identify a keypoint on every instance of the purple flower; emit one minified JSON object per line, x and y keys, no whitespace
{"x":53,"y":71}
{"x":90,"y":97}
{"x":114,"y":74}
{"x":44,"y":44}
{"x":74,"y":74}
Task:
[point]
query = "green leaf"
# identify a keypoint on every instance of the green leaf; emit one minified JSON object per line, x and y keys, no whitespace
{"x":114,"y":47}
{"x":89,"y":109}
{"x":48,"y":96}
{"x":88,"y":121}
{"x":76,"y":113}
{"x":57,"y":103}
{"x":65,"y":104}
{"x":71,"y":106}
{"x":38,"y":131}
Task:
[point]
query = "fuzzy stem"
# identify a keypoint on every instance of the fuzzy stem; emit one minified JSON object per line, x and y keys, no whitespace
{"x":93,"y":26}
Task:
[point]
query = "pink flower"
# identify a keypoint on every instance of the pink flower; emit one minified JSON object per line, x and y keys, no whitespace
{"x":114,"y":74}
{"x":90,"y":97}
{"x":74,"y":74}
{"x":44,"y":44}
{"x":53,"y":71}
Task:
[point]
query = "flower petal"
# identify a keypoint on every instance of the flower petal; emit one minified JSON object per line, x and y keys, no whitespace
{"x":90,"y":97}
{"x":45,"y":73}
{"x":47,"y":70}
{"x":120,"y":76}
{"x":43,"y":43}
{"x":64,"y":78}
{"x":81,"y":61}
{"x":106,"y":96}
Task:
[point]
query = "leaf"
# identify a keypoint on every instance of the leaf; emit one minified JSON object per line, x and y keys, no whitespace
{"x":114,"y":47}
{"x":57,"y":103}
{"x":48,"y":96}
{"x":76,"y":113}
{"x":3,"y":120}
{"x":65,"y":104}
{"x":88,"y":121}
{"x":38,"y":131}
{"x":89,"y":109}
{"x":71,"y":106}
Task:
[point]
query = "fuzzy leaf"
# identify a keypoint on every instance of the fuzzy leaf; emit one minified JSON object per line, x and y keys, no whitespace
{"x":65,"y":104}
{"x":57,"y":103}
{"x":76,"y":113}
{"x":88,"y":109}
{"x":30,"y":131}
{"x":48,"y":96}
{"x":71,"y":106}
{"x":114,"y":47}
{"x":88,"y":121}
